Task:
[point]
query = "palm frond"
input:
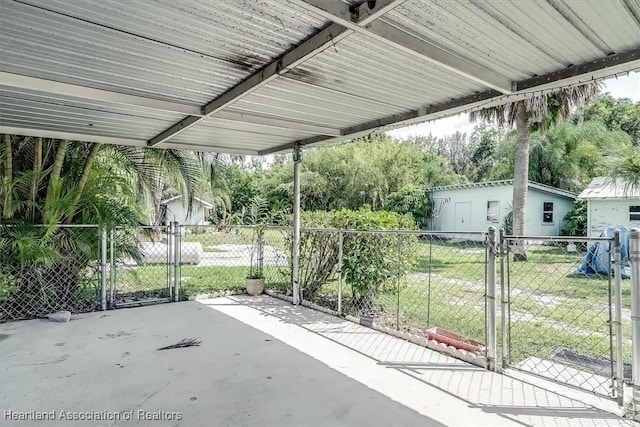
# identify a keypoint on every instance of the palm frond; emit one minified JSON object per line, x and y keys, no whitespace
{"x":624,"y":167}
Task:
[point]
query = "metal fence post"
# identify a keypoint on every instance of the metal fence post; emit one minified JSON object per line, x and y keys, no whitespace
{"x":295,"y":270}
{"x":340,"y":246}
{"x":177,"y":248}
{"x":103,"y":269}
{"x":634,"y":258}
{"x":504,"y":301}
{"x":112,"y":269}
{"x":399,"y":249}
{"x":490,"y":299}
{"x":260,"y":259}
{"x":170,"y":235}
{"x":617,"y":266}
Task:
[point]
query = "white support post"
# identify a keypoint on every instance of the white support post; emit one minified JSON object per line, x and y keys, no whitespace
{"x":340,"y":243}
{"x":617,"y":267}
{"x":297,"y":166}
{"x":177,"y":255}
{"x":103,"y":269}
{"x":504,"y":302}
{"x":170,"y":236}
{"x":112,"y":269}
{"x":490,"y":299}
{"x":634,"y":258}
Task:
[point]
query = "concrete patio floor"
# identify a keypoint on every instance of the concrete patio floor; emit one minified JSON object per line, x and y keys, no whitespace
{"x":262,"y":362}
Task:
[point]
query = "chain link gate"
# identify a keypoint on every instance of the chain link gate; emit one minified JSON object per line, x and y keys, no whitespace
{"x":142,"y":265}
{"x":557,"y":321}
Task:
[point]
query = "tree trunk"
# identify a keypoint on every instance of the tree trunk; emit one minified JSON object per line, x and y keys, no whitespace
{"x":84,"y":177}
{"x":37,"y":170}
{"x":8,"y":175}
{"x":521,"y":178}
{"x":56,"y":169}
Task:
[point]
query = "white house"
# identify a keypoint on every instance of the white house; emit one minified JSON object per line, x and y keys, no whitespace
{"x":174,"y":209}
{"x":480,"y":205}
{"x":609,"y":205}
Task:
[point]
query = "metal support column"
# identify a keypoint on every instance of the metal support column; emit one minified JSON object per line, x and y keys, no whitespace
{"x":297,"y":166}
{"x":340,"y":245}
{"x":504,"y":302}
{"x":112,"y":269}
{"x":176,"y":261}
{"x":170,"y":236}
{"x":617,"y":322}
{"x":634,"y":258}
{"x":398,"y":279}
{"x":490,"y":299}
{"x":103,"y":269}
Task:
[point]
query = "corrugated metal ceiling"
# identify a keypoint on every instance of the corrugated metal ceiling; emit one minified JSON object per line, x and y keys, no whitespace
{"x":340,"y":75}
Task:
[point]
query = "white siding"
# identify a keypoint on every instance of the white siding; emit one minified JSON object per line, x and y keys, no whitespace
{"x":535,"y":208}
{"x":445,"y":203}
{"x":449,"y":203}
{"x":176,"y":211}
{"x":610,"y":213}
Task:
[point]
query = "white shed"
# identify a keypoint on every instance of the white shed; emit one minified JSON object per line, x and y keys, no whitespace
{"x":610,"y":204}
{"x":478,"y":206}
{"x":174,"y":209}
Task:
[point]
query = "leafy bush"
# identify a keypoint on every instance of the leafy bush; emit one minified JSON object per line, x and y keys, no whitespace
{"x":507,"y":222}
{"x":45,"y":269}
{"x":411,"y":201}
{"x":576,"y":220}
{"x":369,"y":260}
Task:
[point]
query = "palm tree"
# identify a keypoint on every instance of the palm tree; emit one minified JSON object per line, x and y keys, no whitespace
{"x":47,"y":183}
{"x":530,"y":114}
{"x":625,"y":167}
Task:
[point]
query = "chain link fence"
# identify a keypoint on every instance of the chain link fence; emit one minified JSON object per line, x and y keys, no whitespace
{"x":559,"y":319}
{"x":44,"y":270}
{"x":430,"y":285}
{"x":553,"y":320}
{"x":220,"y":258}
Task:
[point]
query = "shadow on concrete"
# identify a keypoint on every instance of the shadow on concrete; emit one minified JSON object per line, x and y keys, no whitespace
{"x":490,"y":392}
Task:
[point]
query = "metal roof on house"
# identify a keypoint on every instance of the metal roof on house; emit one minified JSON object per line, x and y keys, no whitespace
{"x":507,"y":182}
{"x":256,"y":77}
{"x":606,"y":188}
{"x":197,"y":199}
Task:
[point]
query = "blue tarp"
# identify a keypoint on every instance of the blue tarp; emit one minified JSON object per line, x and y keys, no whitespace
{"x":596,"y":261}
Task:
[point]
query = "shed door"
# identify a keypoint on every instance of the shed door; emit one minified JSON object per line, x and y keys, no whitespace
{"x":463,"y":216}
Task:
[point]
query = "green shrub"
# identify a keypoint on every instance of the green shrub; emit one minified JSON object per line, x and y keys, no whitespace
{"x":369,"y":260}
{"x":576,"y":221}
{"x":413,"y":201}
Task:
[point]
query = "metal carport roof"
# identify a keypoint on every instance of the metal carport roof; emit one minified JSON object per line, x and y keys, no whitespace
{"x":260,"y":76}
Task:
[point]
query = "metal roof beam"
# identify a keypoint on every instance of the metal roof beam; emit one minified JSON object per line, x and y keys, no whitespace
{"x":317,"y":43}
{"x":383,"y":32}
{"x":612,"y":64}
{"x":574,"y":75}
{"x":71,"y":136}
{"x":368,"y":127}
{"x":65,"y":89}
{"x":275,"y":123}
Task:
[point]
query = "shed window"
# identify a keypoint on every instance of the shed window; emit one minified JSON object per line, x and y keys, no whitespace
{"x":634,"y":213}
{"x":547,"y":212}
{"x":492,"y":211}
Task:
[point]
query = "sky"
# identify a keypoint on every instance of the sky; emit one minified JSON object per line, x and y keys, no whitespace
{"x":620,"y":87}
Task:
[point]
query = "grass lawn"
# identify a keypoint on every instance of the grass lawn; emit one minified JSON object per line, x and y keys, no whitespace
{"x":195,"y":280}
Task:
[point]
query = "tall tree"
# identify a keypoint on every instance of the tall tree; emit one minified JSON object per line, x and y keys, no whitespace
{"x":535,"y":112}
{"x":625,"y":166}
{"x":485,"y":142}
{"x":616,"y":113}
